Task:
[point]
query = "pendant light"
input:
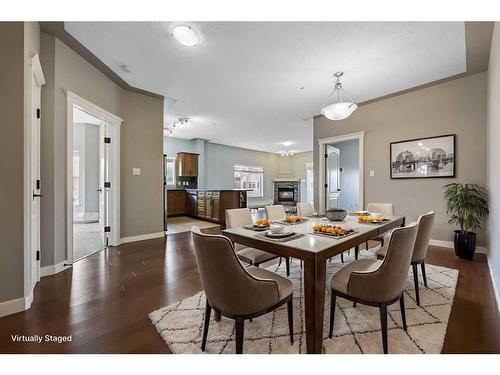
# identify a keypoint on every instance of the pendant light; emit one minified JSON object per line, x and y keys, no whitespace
{"x":339,"y":105}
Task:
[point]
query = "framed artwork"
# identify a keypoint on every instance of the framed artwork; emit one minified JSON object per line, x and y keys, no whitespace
{"x":429,"y":157}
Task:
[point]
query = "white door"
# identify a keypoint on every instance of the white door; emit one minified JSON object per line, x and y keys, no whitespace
{"x":35,"y":182}
{"x":103,"y":178}
{"x":332,"y":187}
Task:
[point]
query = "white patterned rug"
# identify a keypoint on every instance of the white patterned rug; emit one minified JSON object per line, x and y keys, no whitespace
{"x":356,"y":330}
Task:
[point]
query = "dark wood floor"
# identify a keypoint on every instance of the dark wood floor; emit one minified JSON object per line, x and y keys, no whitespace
{"x":104,"y":301}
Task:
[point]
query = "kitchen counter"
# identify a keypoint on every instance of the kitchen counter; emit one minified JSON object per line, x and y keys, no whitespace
{"x":211,"y":190}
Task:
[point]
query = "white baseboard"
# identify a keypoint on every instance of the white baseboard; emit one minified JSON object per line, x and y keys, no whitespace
{"x":53,"y":269}
{"x":494,"y":282}
{"x":449,"y":244}
{"x":142,"y":237}
{"x":16,"y":305}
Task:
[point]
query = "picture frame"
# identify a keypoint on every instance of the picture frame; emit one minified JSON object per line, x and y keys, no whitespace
{"x":427,"y":157}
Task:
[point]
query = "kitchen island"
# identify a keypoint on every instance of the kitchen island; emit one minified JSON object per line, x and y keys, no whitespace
{"x":205,"y":204}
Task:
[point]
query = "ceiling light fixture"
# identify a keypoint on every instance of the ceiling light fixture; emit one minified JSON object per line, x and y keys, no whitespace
{"x":287,"y":143}
{"x":336,"y":107}
{"x":287,"y":153}
{"x":185,"y":35}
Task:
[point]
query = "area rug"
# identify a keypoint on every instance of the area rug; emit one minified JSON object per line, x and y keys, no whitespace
{"x":356,"y":330}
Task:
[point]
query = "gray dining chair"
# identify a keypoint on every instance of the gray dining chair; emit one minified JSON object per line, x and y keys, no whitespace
{"x":239,"y":217}
{"x":234,"y":291}
{"x":375,"y":282}
{"x":425,"y":223}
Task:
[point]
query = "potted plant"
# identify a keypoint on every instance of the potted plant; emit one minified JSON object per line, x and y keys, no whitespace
{"x":466,"y":205}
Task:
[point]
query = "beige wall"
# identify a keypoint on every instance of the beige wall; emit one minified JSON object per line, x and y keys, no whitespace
{"x":141,"y":147}
{"x":11,"y":160}
{"x":457,"y":106}
{"x":66,"y":70}
{"x":494,"y":155}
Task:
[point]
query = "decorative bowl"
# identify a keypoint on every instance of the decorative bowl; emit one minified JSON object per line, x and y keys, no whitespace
{"x":335,"y":214}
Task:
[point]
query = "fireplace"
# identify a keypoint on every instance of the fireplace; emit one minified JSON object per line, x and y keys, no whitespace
{"x":286,"y":194}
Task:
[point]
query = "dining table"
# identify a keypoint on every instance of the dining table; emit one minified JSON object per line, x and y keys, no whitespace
{"x":315,"y":250}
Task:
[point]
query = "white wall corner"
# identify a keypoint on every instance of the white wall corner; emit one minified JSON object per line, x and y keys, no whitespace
{"x":16,"y":305}
{"x":53,"y":269}
{"x":142,"y":237}
{"x":494,"y":281}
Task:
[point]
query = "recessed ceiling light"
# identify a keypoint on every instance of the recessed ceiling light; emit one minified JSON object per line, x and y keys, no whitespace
{"x":127,"y":69}
{"x":185,"y":35}
{"x":287,"y":143}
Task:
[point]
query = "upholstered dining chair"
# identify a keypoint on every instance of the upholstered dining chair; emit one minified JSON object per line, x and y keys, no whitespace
{"x":239,"y":217}
{"x":377,"y":282}
{"x":305,"y":209}
{"x":234,"y":291}
{"x":386,"y":209}
{"x":425,"y":223}
{"x":275,"y":212}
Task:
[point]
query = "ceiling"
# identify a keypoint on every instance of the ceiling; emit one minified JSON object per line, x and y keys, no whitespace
{"x":258,"y":84}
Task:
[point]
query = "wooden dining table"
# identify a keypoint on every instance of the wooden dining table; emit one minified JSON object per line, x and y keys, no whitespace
{"x":314,"y":250}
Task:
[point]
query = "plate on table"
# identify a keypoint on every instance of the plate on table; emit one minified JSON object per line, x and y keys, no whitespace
{"x":332,"y":231}
{"x":292,"y":220}
{"x":359,"y":213}
{"x":257,"y":228}
{"x":364,"y":219}
{"x":279,"y":235}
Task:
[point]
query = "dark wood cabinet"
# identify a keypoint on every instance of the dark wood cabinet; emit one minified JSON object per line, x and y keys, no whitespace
{"x":187,"y":164}
{"x":176,"y":202}
{"x":206,"y":205}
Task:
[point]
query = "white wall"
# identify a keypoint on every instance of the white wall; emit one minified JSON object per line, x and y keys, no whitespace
{"x":493,"y":156}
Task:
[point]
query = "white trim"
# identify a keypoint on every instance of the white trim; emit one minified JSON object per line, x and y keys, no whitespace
{"x":71,"y":100}
{"x":37,"y":70}
{"x":142,"y":237}
{"x":449,"y":245}
{"x":16,"y":305}
{"x":321,"y":165}
{"x":54,"y":268}
{"x":496,"y":291}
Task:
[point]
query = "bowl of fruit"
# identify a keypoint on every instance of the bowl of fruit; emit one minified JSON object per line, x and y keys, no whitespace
{"x":293,"y":219}
{"x":262,"y":223}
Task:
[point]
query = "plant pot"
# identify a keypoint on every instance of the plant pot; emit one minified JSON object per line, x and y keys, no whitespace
{"x":465,"y":244}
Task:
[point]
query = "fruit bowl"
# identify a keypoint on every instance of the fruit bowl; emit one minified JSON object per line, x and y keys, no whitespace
{"x":335,"y":214}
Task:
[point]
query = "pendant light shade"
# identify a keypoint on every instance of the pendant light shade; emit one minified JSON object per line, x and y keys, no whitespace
{"x":339,"y":105}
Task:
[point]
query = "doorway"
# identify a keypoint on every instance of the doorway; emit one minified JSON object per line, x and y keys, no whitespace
{"x":93,"y":178}
{"x":90,"y":173}
{"x":341,"y":172}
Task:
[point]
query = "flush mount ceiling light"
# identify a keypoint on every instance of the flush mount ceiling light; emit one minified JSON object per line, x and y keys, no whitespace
{"x":287,"y":143}
{"x":339,"y":105}
{"x":287,"y":153}
{"x":181,"y":121}
{"x":185,"y":35}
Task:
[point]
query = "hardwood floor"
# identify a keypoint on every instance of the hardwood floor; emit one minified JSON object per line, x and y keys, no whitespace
{"x":104,"y":301}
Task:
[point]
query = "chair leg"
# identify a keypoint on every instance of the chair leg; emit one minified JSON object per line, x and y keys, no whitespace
{"x":356,"y":252}
{"x":354,"y":304}
{"x":330,"y":260}
{"x":290,"y":319}
{"x":423,"y":273}
{"x":383,"y":324}
{"x":415,"y":281}
{"x":342,"y":257}
{"x":366,"y":244}
{"x":239,"y":328}
{"x":403,"y":312}
{"x":208,"y":311}
{"x":279,"y":264}
{"x":287,"y":261}
{"x":333,"y":300}
{"x":301,"y":264}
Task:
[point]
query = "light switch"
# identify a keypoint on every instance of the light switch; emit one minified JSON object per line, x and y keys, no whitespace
{"x":372,"y":173}
{"x":136,"y":171}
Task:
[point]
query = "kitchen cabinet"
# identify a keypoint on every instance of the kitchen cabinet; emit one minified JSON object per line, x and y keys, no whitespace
{"x":187,"y":164}
{"x":176,"y":202}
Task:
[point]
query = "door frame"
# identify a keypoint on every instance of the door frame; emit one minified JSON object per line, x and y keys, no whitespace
{"x":321,"y":164}
{"x":33,"y":77}
{"x":114,"y":162}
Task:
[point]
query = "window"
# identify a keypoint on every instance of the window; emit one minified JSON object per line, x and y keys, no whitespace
{"x":76,"y":177}
{"x":170,"y":171}
{"x":249,"y":177}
